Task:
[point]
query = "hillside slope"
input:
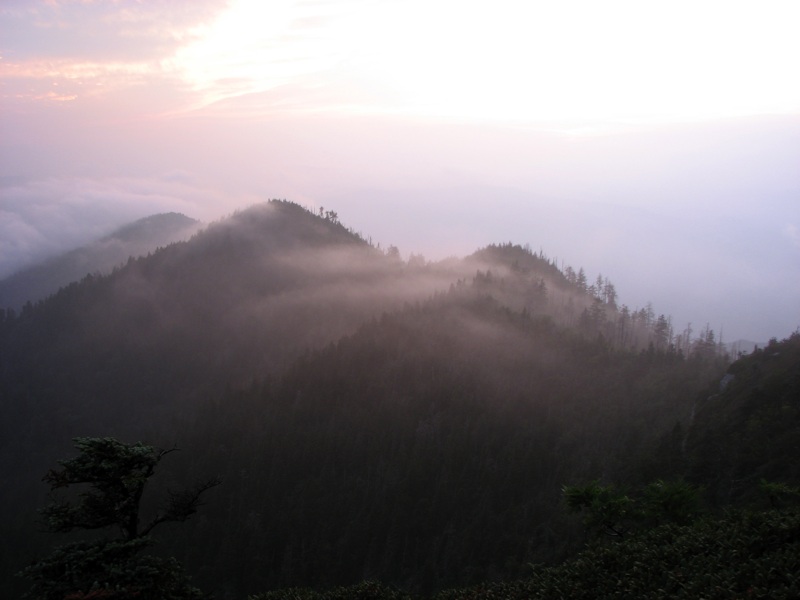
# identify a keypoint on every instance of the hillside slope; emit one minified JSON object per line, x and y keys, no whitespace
{"x":409,"y":421}
{"x":136,"y":239}
{"x":748,"y":429}
{"x":426,"y":450}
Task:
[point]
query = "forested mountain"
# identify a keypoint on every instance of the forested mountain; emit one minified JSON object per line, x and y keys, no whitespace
{"x":370,"y":417}
{"x":138,"y":238}
{"x":748,"y":430}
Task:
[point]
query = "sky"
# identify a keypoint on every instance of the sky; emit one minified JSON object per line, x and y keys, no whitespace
{"x":655,"y":143}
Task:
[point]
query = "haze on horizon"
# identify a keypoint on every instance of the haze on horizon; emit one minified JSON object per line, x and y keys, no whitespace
{"x":655,"y":143}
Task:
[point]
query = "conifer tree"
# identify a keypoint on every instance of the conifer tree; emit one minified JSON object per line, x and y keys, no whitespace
{"x":111,"y":568}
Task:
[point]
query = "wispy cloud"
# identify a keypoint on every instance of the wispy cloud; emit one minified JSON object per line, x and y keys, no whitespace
{"x":42,"y":218}
{"x":79,"y":50}
{"x":533,"y":61}
{"x":255,"y":47}
{"x":97,"y":31}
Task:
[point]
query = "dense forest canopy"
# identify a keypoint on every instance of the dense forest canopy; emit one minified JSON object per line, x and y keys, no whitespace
{"x":371,"y":417}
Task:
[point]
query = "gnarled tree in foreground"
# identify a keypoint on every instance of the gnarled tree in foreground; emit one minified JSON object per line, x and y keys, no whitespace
{"x":114,"y":476}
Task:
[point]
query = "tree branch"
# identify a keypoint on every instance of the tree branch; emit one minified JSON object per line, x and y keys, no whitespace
{"x":182,"y":505}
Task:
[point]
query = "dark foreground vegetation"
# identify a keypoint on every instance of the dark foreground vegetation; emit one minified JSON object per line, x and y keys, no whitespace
{"x":740,"y":554}
{"x":493,"y":425}
{"x":665,"y":543}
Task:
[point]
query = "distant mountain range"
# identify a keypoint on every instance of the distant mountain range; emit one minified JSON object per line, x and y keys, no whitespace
{"x":100,"y":257}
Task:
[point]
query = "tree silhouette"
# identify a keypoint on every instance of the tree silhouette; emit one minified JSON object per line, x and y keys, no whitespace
{"x":111,"y":568}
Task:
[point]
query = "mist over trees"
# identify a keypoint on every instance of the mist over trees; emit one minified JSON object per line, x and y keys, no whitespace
{"x":138,"y":238}
{"x":407,"y":421}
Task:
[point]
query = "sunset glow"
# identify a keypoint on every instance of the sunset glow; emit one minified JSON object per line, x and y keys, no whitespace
{"x":519,"y":61}
{"x":528,"y":116}
{"x":509,"y":60}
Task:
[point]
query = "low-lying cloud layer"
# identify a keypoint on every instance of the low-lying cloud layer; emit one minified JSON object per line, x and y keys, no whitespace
{"x":42,"y":218}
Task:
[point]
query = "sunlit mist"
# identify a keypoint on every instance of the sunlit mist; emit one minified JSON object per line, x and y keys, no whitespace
{"x":627,"y":136}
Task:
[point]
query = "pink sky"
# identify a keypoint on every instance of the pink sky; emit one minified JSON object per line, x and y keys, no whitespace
{"x":655,"y":142}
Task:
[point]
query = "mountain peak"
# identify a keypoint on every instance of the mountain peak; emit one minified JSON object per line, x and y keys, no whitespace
{"x":155,"y":227}
{"x":289,"y":222}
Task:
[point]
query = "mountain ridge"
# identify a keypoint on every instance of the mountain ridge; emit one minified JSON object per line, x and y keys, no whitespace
{"x":38,"y":281}
{"x":410,"y":420}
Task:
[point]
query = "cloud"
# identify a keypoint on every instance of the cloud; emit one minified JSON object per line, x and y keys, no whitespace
{"x":255,"y":47}
{"x":102,"y":31}
{"x":531,"y":61}
{"x":73,"y":50}
{"x":45,"y":217}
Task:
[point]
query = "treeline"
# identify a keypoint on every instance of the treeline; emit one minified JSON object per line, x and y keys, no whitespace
{"x":739,"y":554}
{"x":564,"y":293}
{"x":427,"y":450}
{"x":725,"y":524}
{"x":593,"y":309}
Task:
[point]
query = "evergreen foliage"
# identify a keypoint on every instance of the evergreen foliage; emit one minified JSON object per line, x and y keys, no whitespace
{"x":408,"y":422}
{"x":746,"y":430}
{"x":108,"y":570}
{"x":111,"y":568}
{"x":614,"y":512}
{"x":367,"y":590}
{"x":740,"y":554}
